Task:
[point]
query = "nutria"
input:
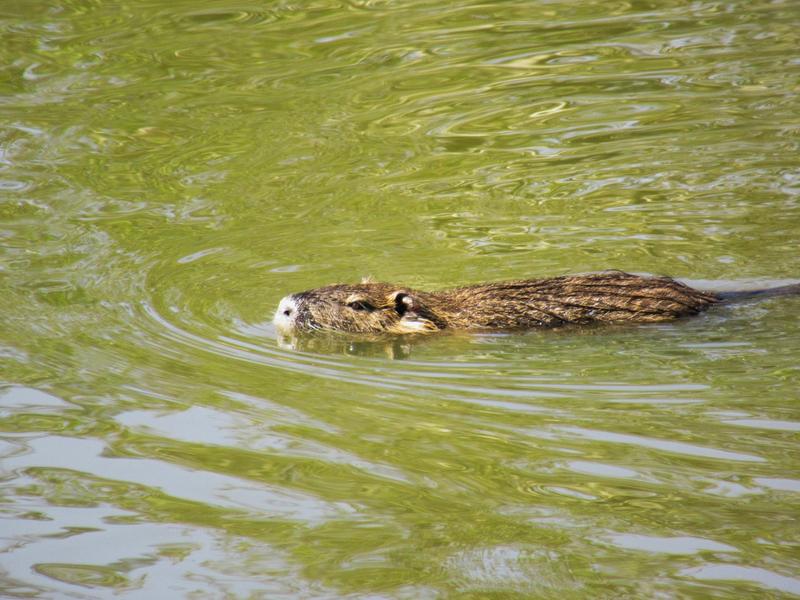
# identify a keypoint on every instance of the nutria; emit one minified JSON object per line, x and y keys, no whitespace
{"x":611,"y":296}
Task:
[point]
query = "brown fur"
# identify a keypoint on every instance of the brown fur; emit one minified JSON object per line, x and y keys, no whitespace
{"x":613,"y":296}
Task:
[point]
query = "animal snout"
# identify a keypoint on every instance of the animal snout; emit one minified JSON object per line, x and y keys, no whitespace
{"x":286,"y":314}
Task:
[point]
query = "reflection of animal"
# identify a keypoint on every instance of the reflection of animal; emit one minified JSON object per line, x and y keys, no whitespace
{"x":611,"y":296}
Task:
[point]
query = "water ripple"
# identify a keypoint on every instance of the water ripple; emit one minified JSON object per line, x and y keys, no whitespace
{"x":169,"y":171}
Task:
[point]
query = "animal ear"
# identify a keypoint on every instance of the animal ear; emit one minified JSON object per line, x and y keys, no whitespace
{"x":403,"y":302}
{"x":412,"y":313}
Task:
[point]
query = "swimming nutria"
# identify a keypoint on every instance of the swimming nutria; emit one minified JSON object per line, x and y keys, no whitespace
{"x":611,"y":296}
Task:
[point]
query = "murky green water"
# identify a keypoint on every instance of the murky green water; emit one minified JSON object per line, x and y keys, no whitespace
{"x":169,"y":170}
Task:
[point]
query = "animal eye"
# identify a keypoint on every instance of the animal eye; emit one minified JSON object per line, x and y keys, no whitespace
{"x":360,"y":305}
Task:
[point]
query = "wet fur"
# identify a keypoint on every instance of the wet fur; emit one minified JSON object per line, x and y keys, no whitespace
{"x":614,"y":296}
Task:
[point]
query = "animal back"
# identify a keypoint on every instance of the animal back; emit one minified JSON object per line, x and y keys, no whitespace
{"x":579,"y":299}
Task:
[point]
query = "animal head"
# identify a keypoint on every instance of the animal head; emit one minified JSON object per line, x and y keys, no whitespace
{"x":365,"y":308}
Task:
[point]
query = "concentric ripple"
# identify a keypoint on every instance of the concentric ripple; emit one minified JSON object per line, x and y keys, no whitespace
{"x":169,"y":171}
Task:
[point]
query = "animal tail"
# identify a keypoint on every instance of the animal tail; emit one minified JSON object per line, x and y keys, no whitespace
{"x":736,"y":296}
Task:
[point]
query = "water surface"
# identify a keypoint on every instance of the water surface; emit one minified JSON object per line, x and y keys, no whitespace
{"x":168,"y":171}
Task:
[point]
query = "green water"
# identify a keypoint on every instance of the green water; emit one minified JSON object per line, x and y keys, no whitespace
{"x":170,"y":170}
